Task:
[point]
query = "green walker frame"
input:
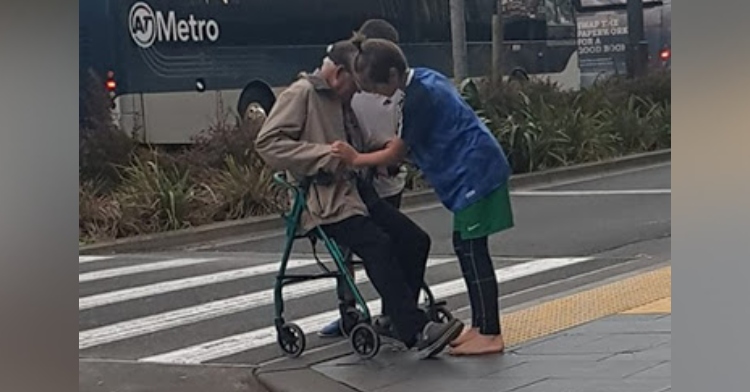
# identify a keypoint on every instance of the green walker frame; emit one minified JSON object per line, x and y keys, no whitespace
{"x":356,"y":320}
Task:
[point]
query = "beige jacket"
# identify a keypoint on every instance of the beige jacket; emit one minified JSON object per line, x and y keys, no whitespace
{"x":296,"y":137}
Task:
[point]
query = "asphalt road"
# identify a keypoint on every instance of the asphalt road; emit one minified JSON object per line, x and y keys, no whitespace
{"x":560,"y":225}
{"x":216,"y":306}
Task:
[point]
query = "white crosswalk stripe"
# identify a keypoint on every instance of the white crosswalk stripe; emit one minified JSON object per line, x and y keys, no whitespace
{"x":91,"y":259}
{"x":138,"y":269}
{"x":200,"y":351}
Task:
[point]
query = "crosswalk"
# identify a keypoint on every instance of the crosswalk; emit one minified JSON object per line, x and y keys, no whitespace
{"x":213,"y":307}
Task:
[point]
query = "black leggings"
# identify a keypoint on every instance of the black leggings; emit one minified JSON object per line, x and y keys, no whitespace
{"x":481,"y":282}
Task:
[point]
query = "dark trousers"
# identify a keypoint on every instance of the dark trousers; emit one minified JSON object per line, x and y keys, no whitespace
{"x":394,"y":253}
{"x":394,"y":200}
{"x":481,"y":282}
{"x":422,"y":240}
{"x":411,"y":244}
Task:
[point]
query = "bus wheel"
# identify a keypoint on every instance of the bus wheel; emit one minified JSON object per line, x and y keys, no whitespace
{"x":254,"y":105}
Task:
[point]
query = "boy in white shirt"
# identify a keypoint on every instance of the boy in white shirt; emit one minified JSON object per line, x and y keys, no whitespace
{"x":379,"y":118}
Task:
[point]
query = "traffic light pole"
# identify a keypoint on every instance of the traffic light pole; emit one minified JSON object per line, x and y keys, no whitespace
{"x":458,"y":36}
{"x":497,"y":43}
{"x":637,"y":50}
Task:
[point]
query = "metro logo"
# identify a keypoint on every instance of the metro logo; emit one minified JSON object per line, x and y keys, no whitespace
{"x":147,"y":27}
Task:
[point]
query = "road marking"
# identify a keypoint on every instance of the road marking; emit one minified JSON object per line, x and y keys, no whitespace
{"x":128,"y":294}
{"x":90,"y":259}
{"x":238,"y":343}
{"x":176,"y":318}
{"x":595,"y":193}
{"x":137,"y":269}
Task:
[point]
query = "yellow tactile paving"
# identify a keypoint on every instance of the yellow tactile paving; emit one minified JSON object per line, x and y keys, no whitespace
{"x":660,"y":306}
{"x":563,"y":313}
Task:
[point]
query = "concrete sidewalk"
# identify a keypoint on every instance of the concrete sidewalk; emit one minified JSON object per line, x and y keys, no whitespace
{"x":614,"y":337}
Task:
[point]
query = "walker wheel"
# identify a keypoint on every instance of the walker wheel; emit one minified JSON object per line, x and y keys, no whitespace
{"x":442,"y":315}
{"x":291,"y":339}
{"x":365,"y":341}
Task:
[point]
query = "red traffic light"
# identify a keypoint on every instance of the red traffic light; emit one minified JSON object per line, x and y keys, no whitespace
{"x":665,"y":54}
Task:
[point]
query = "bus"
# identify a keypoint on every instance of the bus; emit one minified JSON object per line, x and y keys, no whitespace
{"x":603,"y":36}
{"x":173,"y":67}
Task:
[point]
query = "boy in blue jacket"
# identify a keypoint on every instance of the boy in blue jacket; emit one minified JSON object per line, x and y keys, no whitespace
{"x":460,"y":158}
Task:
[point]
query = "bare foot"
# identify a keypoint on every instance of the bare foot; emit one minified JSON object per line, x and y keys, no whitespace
{"x":479,"y":345}
{"x":467,"y":334}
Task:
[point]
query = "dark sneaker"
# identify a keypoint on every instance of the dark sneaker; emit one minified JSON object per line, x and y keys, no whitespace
{"x":435,"y":336}
{"x":332,"y":330}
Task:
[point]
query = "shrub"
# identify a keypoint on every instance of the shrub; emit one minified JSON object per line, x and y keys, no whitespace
{"x":541,"y":127}
{"x":155,"y":197}
{"x":98,"y":214}
{"x":640,"y":123}
{"x":531,"y":138}
{"x":663,"y":122}
{"x":212,"y":146}
{"x":102,"y":147}
{"x":542,"y":136}
{"x":241,"y":191}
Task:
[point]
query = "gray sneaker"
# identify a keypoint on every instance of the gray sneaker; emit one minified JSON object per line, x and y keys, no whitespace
{"x":435,"y":336}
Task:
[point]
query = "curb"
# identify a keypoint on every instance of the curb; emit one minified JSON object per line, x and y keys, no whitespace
{"x":304,"y":379}
{"x":215,"y":231}
{"x":104,"y":375}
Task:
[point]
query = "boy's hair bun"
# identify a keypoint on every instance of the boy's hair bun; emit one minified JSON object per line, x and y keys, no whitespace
{"x":358,"y":39}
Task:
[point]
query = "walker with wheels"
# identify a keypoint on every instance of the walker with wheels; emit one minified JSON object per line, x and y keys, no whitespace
{"x":356,"y":319}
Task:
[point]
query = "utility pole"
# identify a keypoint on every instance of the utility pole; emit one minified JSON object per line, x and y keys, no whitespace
{"x":458,"y":36}
{"x":637,"y":55}
{"x":497,"y":43}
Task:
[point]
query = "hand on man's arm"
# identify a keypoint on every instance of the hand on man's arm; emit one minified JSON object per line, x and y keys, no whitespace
{"x":391,"y":154}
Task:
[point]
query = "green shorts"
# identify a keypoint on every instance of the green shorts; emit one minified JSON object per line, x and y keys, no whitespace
{"x":490,"y":215}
